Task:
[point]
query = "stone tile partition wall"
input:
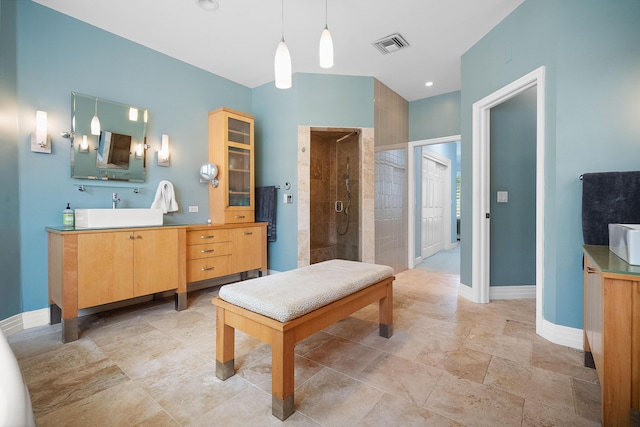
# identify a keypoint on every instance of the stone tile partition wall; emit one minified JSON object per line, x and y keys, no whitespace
{"x":365,"y":178}
{"x":390,"y":205}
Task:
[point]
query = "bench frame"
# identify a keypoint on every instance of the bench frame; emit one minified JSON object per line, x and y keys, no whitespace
{"x":284,"y":335}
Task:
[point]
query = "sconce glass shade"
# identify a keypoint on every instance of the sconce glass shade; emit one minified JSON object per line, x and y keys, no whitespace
{"x":163,"y":154}
{"x":40,"y":137}
{"x":84,"y":145}
{"x":326,"y":49}
{"x":282,"y":66}
{"x":133,"y":114}
{"x":41,"y":127}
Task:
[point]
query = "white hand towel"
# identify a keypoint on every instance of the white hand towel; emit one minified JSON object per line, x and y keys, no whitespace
{"x":165,"y":198}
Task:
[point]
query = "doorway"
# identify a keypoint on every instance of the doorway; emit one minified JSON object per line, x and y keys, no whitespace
{"x":481,"y":194}
{"x":413,"y":237}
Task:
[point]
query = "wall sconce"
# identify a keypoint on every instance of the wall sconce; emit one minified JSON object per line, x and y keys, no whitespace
{"x":84,"y":145}
{"x":208,"y":173}
{"x":40,"y":141}
{"x":133,"y":114}
{"x":163,"y":154}
{"x":140,"y":151}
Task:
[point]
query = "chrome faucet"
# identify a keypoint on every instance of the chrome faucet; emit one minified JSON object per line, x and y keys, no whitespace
{"x":115,"y":200}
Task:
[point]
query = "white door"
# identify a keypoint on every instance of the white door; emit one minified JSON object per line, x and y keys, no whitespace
{"x":433,"y":207}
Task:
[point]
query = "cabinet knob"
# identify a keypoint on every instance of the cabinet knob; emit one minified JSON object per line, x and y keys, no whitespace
{"x":138,"y":237}
{"x":206,"y":268}
{"x":131,"y":237}
{"x":207,"y":237}
{"x":591,"y":270}
{"x":247,"y":233}
{"x":204,"y":251}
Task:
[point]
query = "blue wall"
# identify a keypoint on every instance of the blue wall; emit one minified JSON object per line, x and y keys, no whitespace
{"x":590,"y":51}
{"x":10,"y":302}
{"x":57,"y":55}
{"x":314,"y":100}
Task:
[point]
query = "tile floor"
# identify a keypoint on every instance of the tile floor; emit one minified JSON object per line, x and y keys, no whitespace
{"x":449,"y":363}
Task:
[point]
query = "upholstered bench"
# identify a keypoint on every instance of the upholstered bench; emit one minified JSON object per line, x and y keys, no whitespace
{"x":285,"y":308}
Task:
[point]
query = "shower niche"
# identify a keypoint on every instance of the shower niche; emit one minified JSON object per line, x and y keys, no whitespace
{"x":334,"y":195}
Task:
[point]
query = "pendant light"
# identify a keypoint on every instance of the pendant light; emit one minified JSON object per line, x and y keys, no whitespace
{"x":95,"y":122}
{"x":282,"y":62}
{"x":326,"y":43}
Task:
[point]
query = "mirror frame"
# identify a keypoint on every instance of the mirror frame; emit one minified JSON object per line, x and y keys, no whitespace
{"x":114,"y":117}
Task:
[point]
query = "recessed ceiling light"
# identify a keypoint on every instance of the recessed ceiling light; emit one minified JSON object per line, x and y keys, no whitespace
{"x":208,"y":4}
{"x":428,"y":84}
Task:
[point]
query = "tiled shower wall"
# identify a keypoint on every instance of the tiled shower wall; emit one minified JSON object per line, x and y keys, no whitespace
{"x":330,"y":233}
{"x":390,"y":207}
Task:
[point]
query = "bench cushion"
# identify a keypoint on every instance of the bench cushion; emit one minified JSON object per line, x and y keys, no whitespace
{"x":289,"y":295}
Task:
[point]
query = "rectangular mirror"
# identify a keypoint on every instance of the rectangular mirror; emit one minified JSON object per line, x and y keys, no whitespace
{"x":108,"y":139}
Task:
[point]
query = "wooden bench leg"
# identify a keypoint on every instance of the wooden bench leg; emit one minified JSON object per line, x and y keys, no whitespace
{"x":282,"y":371}
{"x":386,"y":313}
{"x":225,"y":342}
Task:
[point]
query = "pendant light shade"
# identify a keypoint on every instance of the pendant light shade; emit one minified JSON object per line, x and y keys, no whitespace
{"x":95,"y":122}
{"x":282,"y":66}
{"x":326,"y":43}
{"x":326,"y":49}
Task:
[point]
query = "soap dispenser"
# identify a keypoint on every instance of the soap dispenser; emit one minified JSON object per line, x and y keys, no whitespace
{"x":67,"y":217}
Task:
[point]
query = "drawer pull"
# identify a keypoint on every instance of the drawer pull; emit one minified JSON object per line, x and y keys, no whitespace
{"x":204,"y":251}
{"x":247,"y":233}
{"x":206,"y":268}
{"x":207,"y":237}
{"x":239,"y":216}
{"x":131,"y":237}
{"x":591,"y":270}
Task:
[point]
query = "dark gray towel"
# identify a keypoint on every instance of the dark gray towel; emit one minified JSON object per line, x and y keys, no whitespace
{"x":266,"y":202}
{"x":608,"y":198}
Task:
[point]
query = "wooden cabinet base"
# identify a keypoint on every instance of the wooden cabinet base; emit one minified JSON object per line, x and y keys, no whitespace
{"x":129,"y":258}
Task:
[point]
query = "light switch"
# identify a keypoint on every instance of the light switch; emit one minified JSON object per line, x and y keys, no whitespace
{"x":287,"y":198}
{"x":503,"y":196}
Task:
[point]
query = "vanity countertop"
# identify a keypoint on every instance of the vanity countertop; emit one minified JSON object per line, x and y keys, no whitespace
{"x":62,"y":229}
{"x":608,"y":262}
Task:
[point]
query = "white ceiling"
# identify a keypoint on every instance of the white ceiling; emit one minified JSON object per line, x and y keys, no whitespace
{"x":238,"y":41}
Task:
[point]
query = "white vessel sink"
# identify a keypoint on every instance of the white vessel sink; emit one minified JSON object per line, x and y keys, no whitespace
{"x":624,"y":241}
{"x":115,"y":218}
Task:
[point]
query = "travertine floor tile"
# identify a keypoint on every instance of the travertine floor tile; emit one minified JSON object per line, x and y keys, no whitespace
{"x":473,"y":404}
{"x":531,"y":383}
{"x":393,"y":411}
{"x":464,"y":363}
{"x":537,"y":414}
{"x":123,"y":405}
{"x":334,"y":399}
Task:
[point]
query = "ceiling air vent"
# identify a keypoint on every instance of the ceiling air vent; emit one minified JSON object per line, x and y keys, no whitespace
{"x":391,"y":43}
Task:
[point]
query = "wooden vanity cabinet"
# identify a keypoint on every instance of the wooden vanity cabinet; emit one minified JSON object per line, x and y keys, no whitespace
{"x":612,"y":332}
{"x":218,"y":250}
{"x":88,"y":268}
{"x":231,"y":148}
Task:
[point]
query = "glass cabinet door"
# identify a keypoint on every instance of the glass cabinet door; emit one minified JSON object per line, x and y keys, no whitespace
{"x":239,"y":162}
{"x":239,"y":131}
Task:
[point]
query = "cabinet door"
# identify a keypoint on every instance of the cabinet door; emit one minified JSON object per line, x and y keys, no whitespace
{"x":240,"y":177}
{"x":155,"y":261}
{"x":247,"y":248}
{"x":105,"y":268}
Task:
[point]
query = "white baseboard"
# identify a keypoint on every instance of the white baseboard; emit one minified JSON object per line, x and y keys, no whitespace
{"x":512,"y":292}
{"x":465,"y":292}
{"x":22,"y":321}
{"x":562,"y":335}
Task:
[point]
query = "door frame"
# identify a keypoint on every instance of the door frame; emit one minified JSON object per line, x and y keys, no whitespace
{"x":411,"y":191}
{"x":480,"y":247}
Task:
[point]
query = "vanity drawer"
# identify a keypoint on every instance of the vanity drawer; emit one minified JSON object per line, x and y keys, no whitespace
{"x":208,"y":268}
{"x":234,"y":217}
{"x":199,"y":237}
{"x":208,"y":250}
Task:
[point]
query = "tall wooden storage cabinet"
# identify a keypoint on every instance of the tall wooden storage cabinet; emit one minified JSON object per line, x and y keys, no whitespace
{"x":231,"y":149}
